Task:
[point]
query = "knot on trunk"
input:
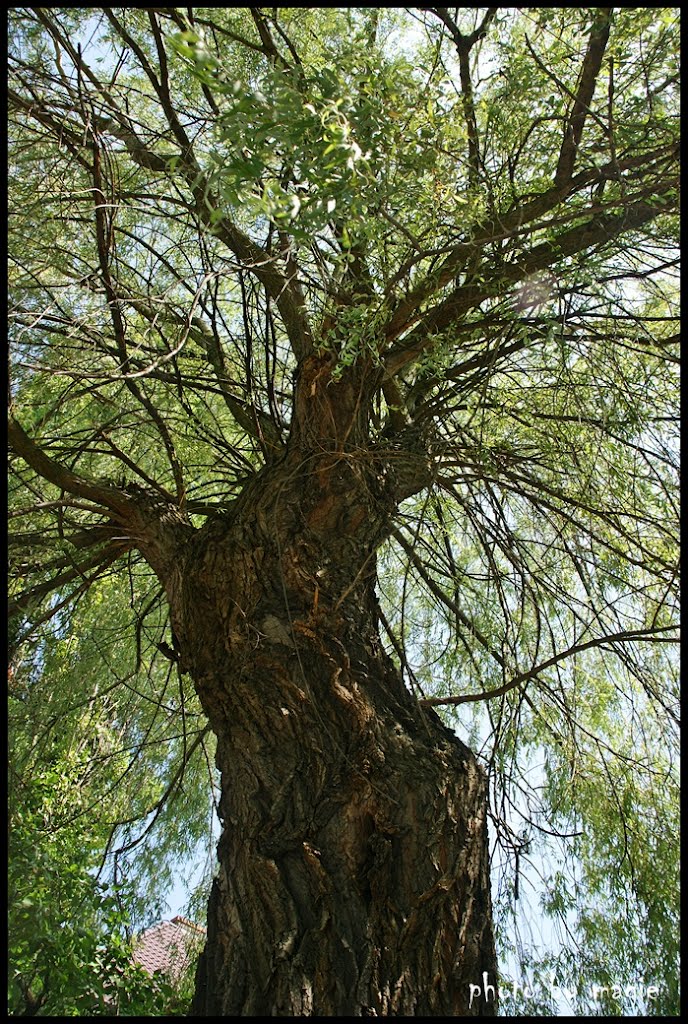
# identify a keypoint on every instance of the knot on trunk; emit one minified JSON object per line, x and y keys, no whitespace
{"x":409,"y":466}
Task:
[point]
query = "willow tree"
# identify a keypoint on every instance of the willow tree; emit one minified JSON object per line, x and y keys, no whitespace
{"x":313,"y":313}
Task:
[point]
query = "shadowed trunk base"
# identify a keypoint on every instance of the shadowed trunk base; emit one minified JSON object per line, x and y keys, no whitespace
{"x":353,"y":873}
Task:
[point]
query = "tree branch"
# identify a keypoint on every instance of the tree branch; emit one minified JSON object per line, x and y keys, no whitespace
{"x":464,"y":44}
{"x":107,"y":496}
{"x":583,"y":237}
{"x":522,"y":217}
{"x":523,"y":677}
{"x":592,"y":62}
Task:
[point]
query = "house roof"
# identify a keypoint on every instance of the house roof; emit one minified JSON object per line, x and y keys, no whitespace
{"x":169,"y":946}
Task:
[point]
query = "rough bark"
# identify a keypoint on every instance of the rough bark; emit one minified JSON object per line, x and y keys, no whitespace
{"x":353,"y":863}
{"x":353,"y":871}
{"x":353,"y":876}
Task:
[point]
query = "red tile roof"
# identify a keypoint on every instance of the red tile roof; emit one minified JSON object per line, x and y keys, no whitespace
{"x":169,"y":946}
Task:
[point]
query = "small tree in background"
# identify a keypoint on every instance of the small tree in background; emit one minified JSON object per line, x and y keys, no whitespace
{"x":69,"y":947}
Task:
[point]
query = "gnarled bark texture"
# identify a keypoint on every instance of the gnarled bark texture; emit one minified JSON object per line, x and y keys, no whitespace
{"x":353,"y":876}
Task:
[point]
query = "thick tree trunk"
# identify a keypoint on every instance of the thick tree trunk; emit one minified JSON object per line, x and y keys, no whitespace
{"x":353,"y":876}
{"x":353,"y":864}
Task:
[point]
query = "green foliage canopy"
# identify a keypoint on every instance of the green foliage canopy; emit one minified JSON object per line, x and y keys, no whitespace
{"x":479,"y":210}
